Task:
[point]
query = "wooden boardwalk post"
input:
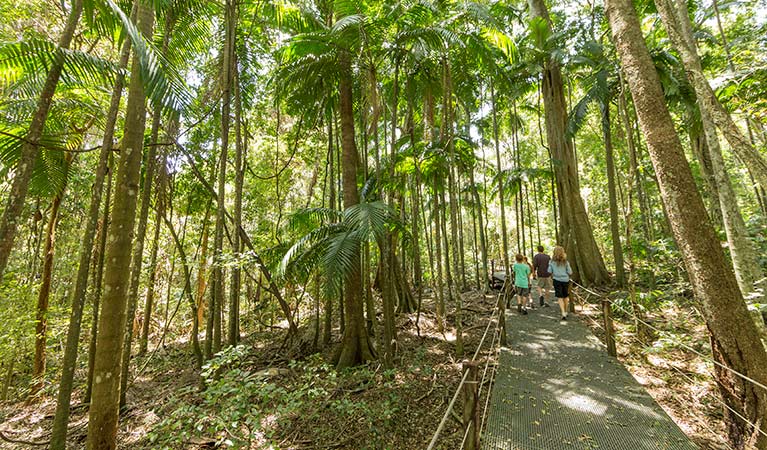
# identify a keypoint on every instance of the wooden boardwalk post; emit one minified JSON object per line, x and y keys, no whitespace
{"x":502,"y":315}
{"x":471,"y":405}
{"x":607,"y":315}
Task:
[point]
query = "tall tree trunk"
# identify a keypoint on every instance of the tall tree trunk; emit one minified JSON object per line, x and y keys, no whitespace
{"x":743,"y":256}
{"x":98,"y":278}
{"x":355,"y":346}
{"x":501,"y":200}
{"x":105,"y":401}
{"x":29,"y":148}
{"x":415,"y":205}
{"x":574,"y":222}
{"x":217,"y":291}
{"x":454,"y":247}
{"x":196,"y":347}
{"x":61,"y":417}
{"x":150,"y":165}
{"x":713,"y":283}
{"x":700,"y":151}
{"x":152,"y":282}
{"x":638,"y":178}
{"x":675,"y":17}
{"x":620,"y":271}
{"x":742,"y":253}
{"x":41,"y":316}
{"x":436,"y":220}
{"x":202,"y":269}
{"x":328,"y":317}
{"x":234,"y":290}
{"x":481,"y":226}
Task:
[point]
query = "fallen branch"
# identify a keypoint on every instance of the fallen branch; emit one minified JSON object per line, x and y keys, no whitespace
{"x":433,"y":383}
{"x":19,"y":441}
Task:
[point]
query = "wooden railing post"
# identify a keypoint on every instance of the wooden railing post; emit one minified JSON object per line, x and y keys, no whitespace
{"x":502,"y":315}
{"x":471,"y":405}
{"x":607,"y":315}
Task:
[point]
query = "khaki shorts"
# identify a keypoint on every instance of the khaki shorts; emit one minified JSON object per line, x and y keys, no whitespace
{"x":545,"y":283}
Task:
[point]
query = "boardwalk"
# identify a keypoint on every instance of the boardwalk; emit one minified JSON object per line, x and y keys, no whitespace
{"x":557,"y":388}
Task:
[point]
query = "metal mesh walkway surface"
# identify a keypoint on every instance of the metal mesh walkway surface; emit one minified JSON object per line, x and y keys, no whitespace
{"x":557,"y":388}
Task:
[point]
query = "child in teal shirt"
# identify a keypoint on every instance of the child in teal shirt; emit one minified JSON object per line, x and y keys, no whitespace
{"x":521,"y":283}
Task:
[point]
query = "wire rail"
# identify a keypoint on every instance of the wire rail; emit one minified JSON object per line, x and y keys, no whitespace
{"x":687,"y":347}
{"x":676,"y":341}
{"x":500,"y":302}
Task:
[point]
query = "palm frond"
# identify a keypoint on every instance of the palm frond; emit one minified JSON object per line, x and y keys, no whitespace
{"x":162,"y":83}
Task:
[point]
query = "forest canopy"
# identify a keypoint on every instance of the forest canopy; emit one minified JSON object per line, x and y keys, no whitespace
{"x":201,"y":191}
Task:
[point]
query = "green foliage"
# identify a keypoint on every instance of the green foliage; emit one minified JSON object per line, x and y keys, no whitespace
{"x":333,"y":247}
{"x":244,"y":408}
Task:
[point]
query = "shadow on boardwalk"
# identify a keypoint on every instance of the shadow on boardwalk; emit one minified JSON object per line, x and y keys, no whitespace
{"x":557,"y":388}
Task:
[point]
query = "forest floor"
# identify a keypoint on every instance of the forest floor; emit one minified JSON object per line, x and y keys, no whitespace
{"x":258,"y":396}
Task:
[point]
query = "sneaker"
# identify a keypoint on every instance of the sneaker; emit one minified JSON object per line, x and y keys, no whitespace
{"x":564,"y":318}
{"x":524,"y":312}
{"x":546,"y":305}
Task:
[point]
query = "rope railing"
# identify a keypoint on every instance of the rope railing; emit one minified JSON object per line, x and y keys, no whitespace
{"x":687,"y":347}
{"x":492,"y":379}
{"x":500,"y":302}
{"x":676,"y":341}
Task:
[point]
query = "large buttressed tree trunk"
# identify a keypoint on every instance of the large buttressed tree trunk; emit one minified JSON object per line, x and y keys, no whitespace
{"x":29,"y":150}
{"x":734,"y":337}
{"x":103,"y":414}
{"x":575,"y":228}
{"x":356,"y":346}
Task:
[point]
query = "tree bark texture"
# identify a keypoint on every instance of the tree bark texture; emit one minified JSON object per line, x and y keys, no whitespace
{"x":103,"y":414}
{"x":713,"y":282}
{"x":574,"y":221}
{"x":61,"y":417}
{"x":355,"y":346}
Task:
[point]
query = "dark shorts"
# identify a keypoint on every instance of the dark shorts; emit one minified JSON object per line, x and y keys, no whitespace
{"x":522,"y":292}
{"x":561,"y":289}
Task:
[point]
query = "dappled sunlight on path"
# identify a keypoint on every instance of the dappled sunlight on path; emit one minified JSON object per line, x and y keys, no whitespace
{"x":557,"y":388}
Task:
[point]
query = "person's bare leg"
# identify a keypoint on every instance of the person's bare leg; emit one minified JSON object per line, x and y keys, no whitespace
{"x":567,"y":306}
{"x":562,"y":307}
{"x":521,"y":305}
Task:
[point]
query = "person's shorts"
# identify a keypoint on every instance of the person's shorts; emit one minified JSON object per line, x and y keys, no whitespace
{"x":522,"y":292}
{"x":561,"y":289}
{"x":545,"y":283}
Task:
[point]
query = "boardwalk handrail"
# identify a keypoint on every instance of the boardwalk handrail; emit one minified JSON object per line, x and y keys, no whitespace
{"x":450,"y":405}
{"x":687,"y":347}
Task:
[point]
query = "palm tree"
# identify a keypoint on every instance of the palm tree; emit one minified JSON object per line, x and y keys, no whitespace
{"x":601,"y":87}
